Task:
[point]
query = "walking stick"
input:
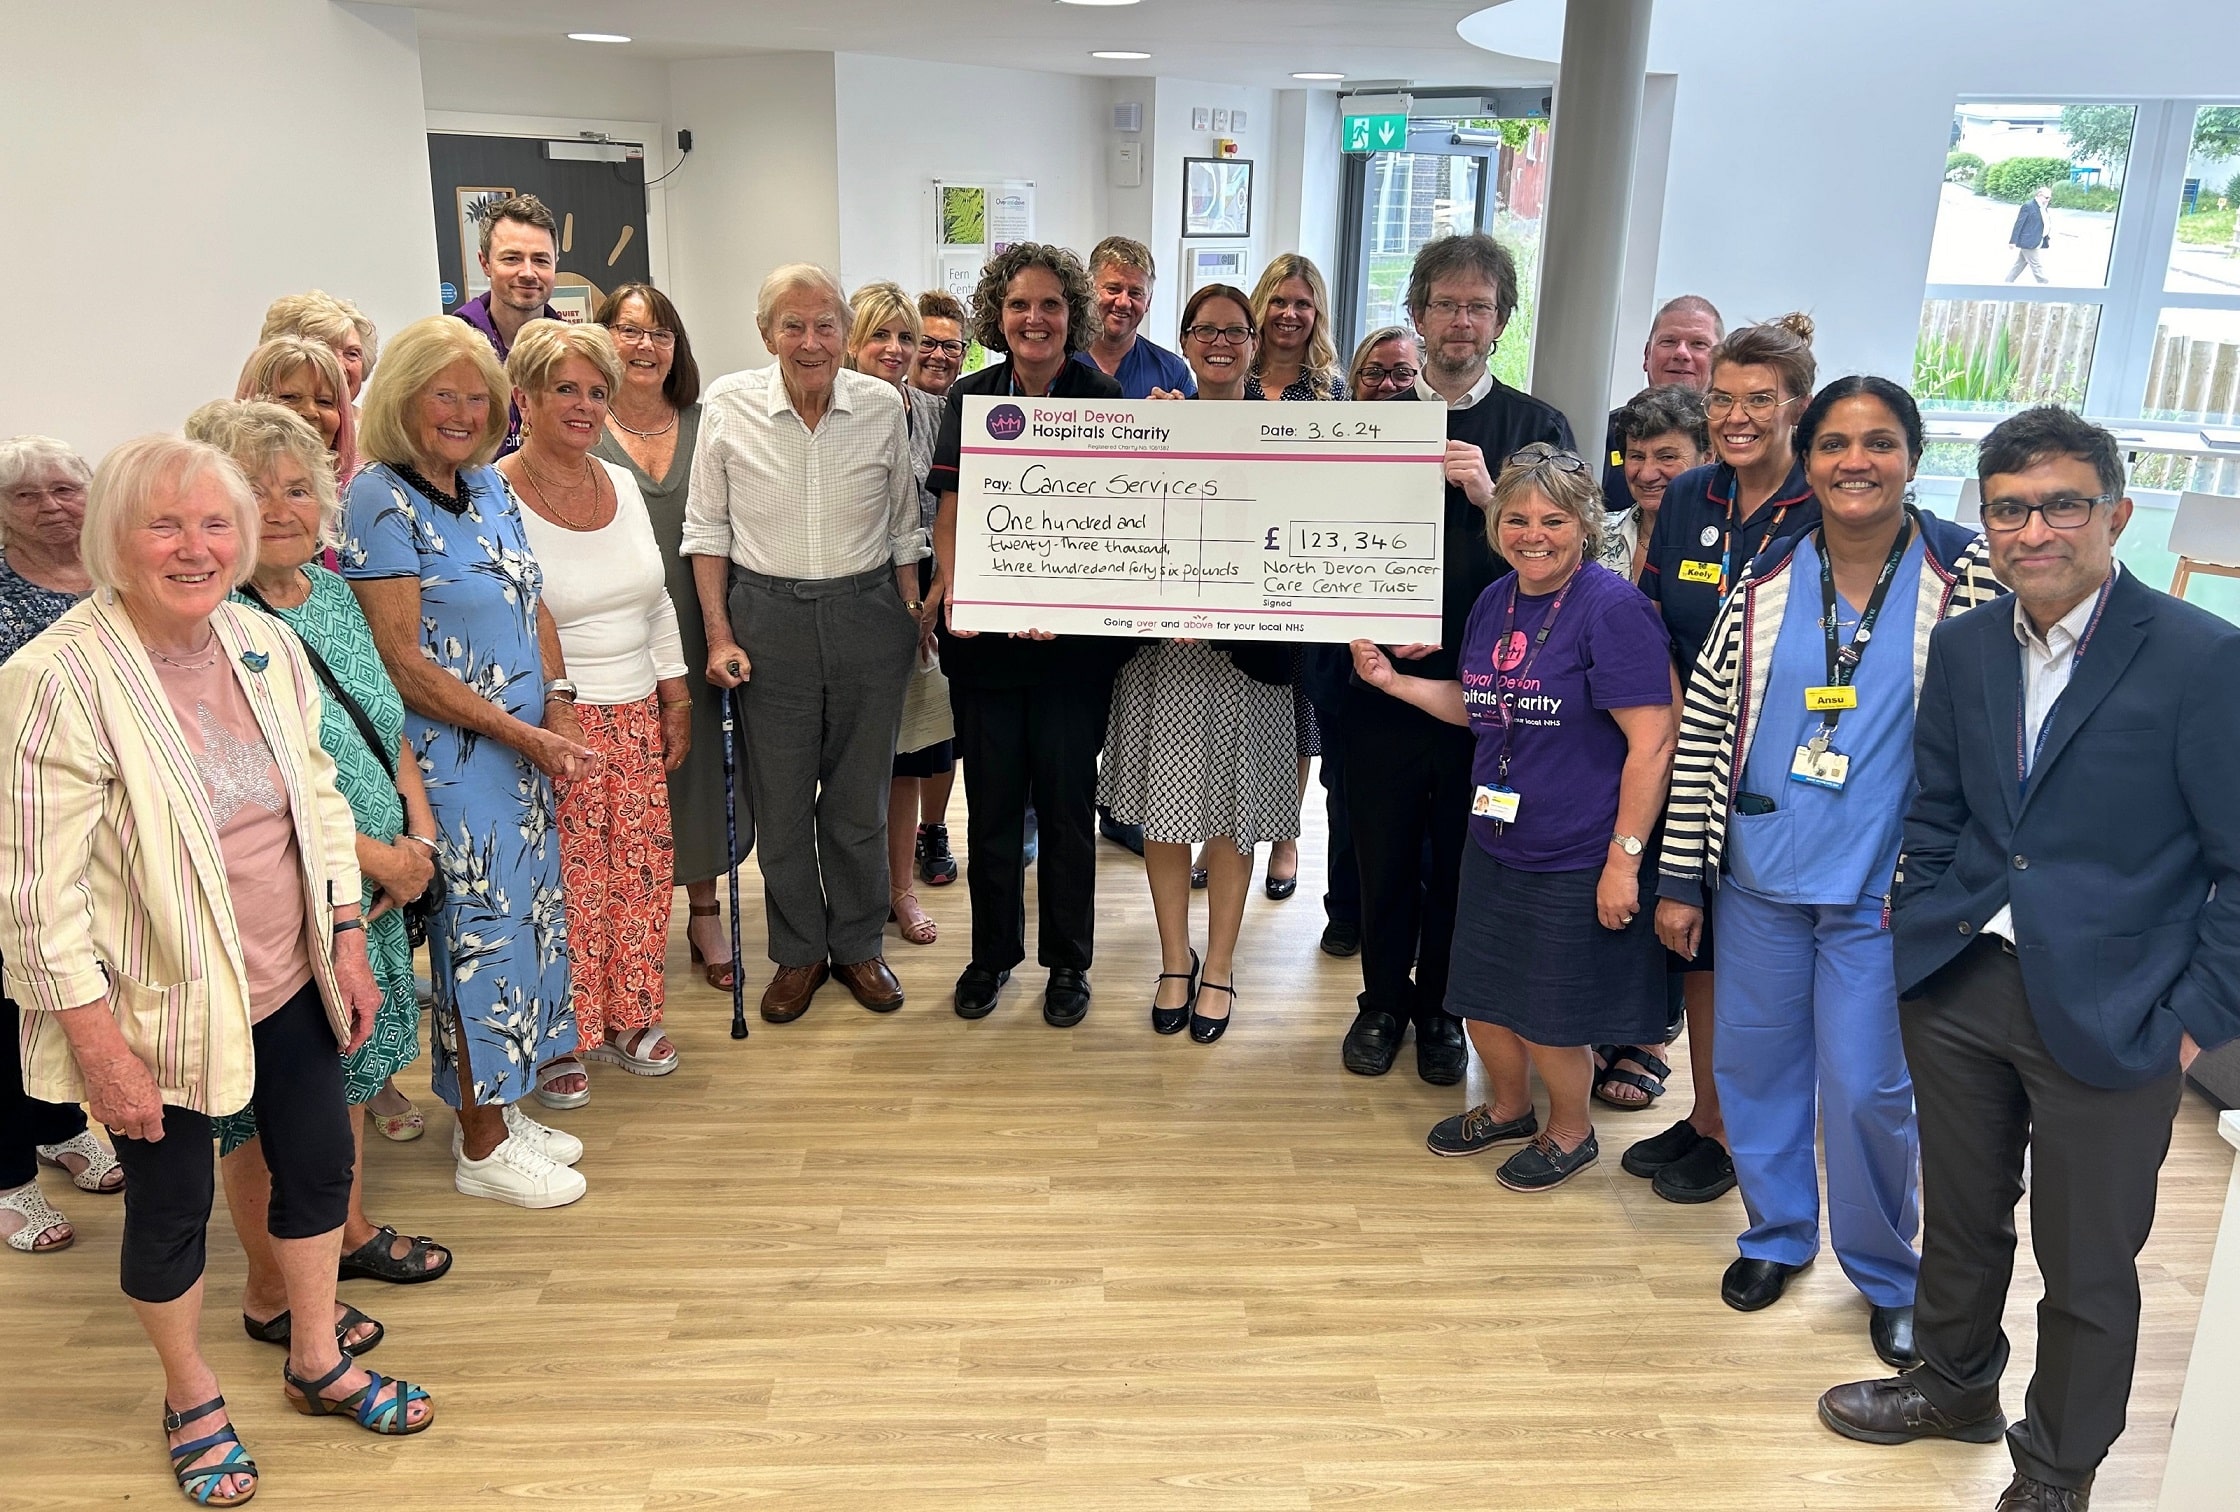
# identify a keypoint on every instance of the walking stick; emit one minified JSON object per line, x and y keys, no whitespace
{"x":731,"y":859}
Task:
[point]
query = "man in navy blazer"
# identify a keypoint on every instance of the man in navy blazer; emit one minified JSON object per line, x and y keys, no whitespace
{"x":2067,"y":933}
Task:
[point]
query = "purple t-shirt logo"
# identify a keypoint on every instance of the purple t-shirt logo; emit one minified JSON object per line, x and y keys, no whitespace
{"x":1511,"y":652}
{"x":1007,"y":422}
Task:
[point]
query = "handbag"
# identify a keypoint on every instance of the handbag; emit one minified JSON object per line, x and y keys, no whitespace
{"x":420,"y":910}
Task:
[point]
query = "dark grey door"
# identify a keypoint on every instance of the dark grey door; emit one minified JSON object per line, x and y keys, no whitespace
{"x":601,"y":207}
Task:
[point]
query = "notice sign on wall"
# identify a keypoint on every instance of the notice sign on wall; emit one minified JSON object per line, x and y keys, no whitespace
{"x":1308,"y":522}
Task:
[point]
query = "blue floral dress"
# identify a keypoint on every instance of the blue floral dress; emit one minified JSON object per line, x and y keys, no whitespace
{"x":498,"y":949}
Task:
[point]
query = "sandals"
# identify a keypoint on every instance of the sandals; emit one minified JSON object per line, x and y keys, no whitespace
{"x":903,"y":909}
{"x":937,"y":866}
{"x":100,"y":1164}
{"x":39,"y":1220}
{"x":630,"y":1052}
{"x":366,"y":1405}
{"x":371,"y":1261}
{"x":552,"y":1071}
{"x":278,"y":1329}
{"x":719,"y":974}
{"x":200,"y":1484}
{"x":1650,"y":1086}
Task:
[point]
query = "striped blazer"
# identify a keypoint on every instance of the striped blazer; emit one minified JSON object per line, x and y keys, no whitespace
{"x":1728,"y":686}
{"x":112,"y":883}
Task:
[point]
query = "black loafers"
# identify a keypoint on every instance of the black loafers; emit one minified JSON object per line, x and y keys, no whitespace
{"x":1891,"y":1329}
{"x":1065,"y":1002}
{"x":1646,"y":1157}
{"x":2025,"y":1494}
{"x":1751,"y":1284}
{"x":1893,"y":1411}
{"x":1440,"y":1054}
{"x":1373,"y":1042}
{"x":1704,"y":1174}
{"x":977,"y":989}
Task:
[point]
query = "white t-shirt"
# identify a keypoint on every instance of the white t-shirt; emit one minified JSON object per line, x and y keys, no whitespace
{"x":608,"y":593}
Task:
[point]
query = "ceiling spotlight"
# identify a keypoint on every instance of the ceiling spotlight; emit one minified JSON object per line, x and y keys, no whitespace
{"x":1319,"y":78}
{"x":597,"y":37}
{"x":1121,"y":57}
{"x":1098,"y":2}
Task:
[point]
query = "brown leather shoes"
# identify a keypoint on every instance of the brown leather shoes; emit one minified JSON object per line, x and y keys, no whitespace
{"x":872,"y":983}
{"x":787,"y":996}
{"x":1893,"y":1411}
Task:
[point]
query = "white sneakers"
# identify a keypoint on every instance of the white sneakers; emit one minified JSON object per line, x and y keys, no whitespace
{"x":529,"y":1169}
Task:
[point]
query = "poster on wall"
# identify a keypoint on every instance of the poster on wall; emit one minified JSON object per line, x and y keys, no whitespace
{"x":1011,"y":216}
{"x":958,"y":273}
{"x":1216,"y":197}
{"x":472,"y":202}
{"x":960,"y":215}
{"x":973,"y":222}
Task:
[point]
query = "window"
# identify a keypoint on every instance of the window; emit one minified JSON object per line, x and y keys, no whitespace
{"x":2128,"y":306}
{"x":1397,"y":201}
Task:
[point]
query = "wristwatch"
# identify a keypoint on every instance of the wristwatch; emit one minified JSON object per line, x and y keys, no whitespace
{"x":560,"y":688}
{"x":344,"y":926}
{"x":1628,"y":844}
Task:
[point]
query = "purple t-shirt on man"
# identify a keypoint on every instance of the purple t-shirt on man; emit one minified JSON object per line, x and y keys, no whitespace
{"x":1607,"y":650}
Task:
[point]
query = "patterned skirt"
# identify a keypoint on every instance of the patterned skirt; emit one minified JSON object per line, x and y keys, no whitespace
{"x":1197,"y":749}
{"x":618,"y":866}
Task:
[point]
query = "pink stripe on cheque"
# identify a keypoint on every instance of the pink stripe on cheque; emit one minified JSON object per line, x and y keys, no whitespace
{"x":1175,"y":609}
{"x":1183,"y":456}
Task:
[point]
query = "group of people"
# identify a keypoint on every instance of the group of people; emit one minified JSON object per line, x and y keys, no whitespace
{"x":447,"y":639}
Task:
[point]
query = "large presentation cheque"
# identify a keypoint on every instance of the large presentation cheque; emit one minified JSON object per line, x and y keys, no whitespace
{"x":1298,"y":522}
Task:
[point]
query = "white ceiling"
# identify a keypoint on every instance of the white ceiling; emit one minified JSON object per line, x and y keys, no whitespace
{"x":1259,"y":42}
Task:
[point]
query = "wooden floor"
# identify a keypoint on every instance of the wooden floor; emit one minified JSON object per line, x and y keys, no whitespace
{"x":909,"y":1262}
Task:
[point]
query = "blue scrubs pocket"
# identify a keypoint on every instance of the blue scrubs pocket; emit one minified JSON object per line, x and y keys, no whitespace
{"x":1761,"y":852}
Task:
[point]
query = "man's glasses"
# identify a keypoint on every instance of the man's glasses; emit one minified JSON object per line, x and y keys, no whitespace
{"x":1480,"y":311}
{"x":951,"y":348}
{"x":2062,"y":511}
{"x":1213,"y":335}
{"x":1759,"y":407}
{"x":663,"y":339}
{"x":1373,"y":377}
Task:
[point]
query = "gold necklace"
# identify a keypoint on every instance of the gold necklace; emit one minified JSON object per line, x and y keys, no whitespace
{"x":544,"y":503}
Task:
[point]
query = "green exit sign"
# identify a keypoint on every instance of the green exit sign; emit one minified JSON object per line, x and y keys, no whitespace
{"x":1376,"y":133}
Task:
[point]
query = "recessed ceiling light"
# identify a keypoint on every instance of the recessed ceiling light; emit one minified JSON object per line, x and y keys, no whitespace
{"x":1319,"y":78}
{"x":597,"y":37}
{"x":1097,"y":2}
{"x":1121,"y":57}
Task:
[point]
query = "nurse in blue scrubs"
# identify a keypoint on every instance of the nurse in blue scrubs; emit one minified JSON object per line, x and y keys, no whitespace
{"x":1805,"y":690}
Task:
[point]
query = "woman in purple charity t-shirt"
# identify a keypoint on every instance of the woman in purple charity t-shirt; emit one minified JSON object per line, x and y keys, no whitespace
{"x":1567,"y":683}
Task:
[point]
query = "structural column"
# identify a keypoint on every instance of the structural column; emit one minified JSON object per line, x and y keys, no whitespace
{"x":1595,"y":127}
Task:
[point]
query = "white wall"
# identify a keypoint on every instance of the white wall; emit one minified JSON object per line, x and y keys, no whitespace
{"x":1169,"y":138}
{"x":991,"y":124}
{"x":582,"y":79}
{"x":146,"y":236}
{"x":761,"y":189}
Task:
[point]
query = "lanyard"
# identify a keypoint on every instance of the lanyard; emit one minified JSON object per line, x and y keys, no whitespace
{"x":1726,"y":541}
{"x":1505,"y":700}
{"x":1843,"y":661}
{"x":2027,"y":762}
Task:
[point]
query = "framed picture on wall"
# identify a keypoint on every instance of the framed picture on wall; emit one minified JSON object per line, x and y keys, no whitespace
{"x":1213,"y":265}
{"x":1217,"y":197}
{"x":473,"y":202}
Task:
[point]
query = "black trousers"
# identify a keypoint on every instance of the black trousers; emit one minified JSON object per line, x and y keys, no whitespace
{"x":302,"y":1119}
{"x":1341,"y":904}
{"x":1986,"y":1088}
{"x":1407,"y":791}
{"x":1038,"y":746}
{"x":25,"y":1121}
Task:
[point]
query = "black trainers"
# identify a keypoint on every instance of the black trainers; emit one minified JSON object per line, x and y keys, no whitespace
{"x":1704,"y":1174}
{"x":1645,"y":1157}
{"x":937,"y":866}
{"x":1476,"y":1131}
{"x":1341,"y":938}
{"x":1541,"y":1167}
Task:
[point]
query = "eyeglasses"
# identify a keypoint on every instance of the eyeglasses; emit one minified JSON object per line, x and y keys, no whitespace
{"x":60,"y":493}
{"x":1759,"y":407}
{"x":663,"y":339}
{"x":952,"y":348}
{"x":2062,"y":511}
{"x":1371,"y":377}
{"x":1213,"y":335}
{"x":1541,"y":454}
{"x":1476,"y":309}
